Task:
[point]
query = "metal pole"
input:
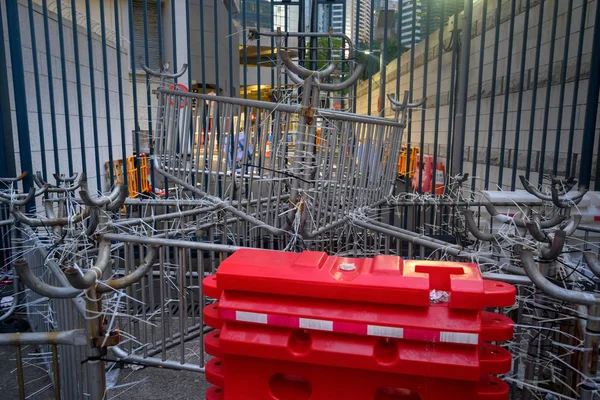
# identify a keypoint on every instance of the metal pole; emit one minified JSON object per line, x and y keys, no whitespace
{"x":7,"y":164}
{"x":18,"y":76}
{"x":383,"y":63}
{"x":463,"y":86}
{"x":314,"y":40}
{"x":591,"y":113}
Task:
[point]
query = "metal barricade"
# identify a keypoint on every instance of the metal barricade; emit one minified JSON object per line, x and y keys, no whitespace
{"x":351,"y":168}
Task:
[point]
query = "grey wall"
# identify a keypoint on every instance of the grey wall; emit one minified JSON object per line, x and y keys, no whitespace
{"x":215,"y":35}
{"x":67,"y":108}
{"x":485,"y":95}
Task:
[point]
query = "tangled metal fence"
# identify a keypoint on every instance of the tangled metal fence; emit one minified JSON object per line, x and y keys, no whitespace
{"x":248,"y":173}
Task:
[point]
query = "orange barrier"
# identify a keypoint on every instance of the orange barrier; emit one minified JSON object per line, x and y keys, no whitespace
{"x":414,"y":155}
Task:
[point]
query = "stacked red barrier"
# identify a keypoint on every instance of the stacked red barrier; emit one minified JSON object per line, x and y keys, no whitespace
{"x":308,"y":326}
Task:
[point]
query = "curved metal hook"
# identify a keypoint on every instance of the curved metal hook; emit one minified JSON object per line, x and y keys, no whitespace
{"x":533,"y":190}
{"x":93,"y":222}
{"x":40,"y":182}
{"x":60,"y":179}
{"x":545,"y":224}
{"x":535,"y":229}
{"x":133,"y":277}
{"x":573,"y":224}
{"x":115,"y":195}
{"x":303,"y":72}
{"x":87,"y":280}
{"x":564,"y":186}
{"x":40,"y":287}
{"x":472,"y":226}
{"x":399,"y":106}
{"x":116,"y":205}
{"x":336,"y":87}
{"x":542,"y":283}
{"x":161,"y":73}
{"x":13,"y":180}
{"x":592,"y":262}
{"x":566,"y":201}
{"x":551,"y":252}
{"x":61,"y":221}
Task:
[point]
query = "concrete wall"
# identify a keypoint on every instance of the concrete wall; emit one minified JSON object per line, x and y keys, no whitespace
{"x":66,"y":109}
{"x":485,"y":94}
{"x":216,"y":34}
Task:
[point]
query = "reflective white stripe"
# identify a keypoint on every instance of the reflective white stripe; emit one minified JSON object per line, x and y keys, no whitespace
{"x":385,"y":331}
{"x":251,"y":317}
{"x":317,"y":324}
{"x":458,"y":337}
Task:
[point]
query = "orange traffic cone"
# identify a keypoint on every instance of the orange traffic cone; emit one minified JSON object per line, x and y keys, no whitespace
{"x":268,"y":153}
{"x":440,"y":179}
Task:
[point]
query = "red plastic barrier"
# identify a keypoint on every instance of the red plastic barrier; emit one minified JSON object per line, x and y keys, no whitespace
{"x":384,"y":326}
{"x":427,"y":174}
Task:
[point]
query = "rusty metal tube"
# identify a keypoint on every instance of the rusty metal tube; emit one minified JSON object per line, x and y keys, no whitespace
{"x":76,"y":337}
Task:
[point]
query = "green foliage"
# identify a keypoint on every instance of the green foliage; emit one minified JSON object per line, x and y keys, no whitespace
{"x":327,"y":49}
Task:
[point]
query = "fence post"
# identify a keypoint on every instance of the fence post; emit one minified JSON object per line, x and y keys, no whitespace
{"x":458,"y":140}
{"x":7,"y":164}
{"x":18,"y":76}
{"x":591,"y":113}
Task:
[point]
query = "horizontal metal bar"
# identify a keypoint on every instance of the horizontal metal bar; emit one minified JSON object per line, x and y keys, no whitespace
{"x":155,"y":362}
{"x":72,"y":338}
{"x":171,"y":243}
{"x":339,"y":115}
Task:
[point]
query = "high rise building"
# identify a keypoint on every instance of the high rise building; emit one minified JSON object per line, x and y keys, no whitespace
{"x":410,"y":21}
{"x":363,"y":9}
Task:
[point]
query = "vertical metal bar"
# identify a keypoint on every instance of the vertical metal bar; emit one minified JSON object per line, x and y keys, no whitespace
{"x":136,"y":122}
{"x":202,"y":44}
{"x":451,"y":95}
{"x":563,"y":84}
{"x":548,"y":93}
{"x":515,"y":162}
{"x":230,"y":36}
{"x":258,"y":55}
{"x":7,"y":163}
{"x":536,"y":70}
{"x":148,"y":89}
{"x":369,"y":62}
{"x":576,"y":86}
{"x":107,"y":99}
{"x":507,"y":91}
{"x":424,"y":109}
{"x":120,"y":90}
{"x":411,"y":86}
{"x":88,"y":13}
{"x":38,"y":99}
{"x":216,"y":38}
{"x":493,"y":95}
{"x":20,"y":376}
{"x":383,"y":63}
{"x":440,"y":55}
{"x":245,"y":50}
{"x":357,"y":41}
{"x":50,"y":83}
{"x":591,"y":112}
{"x":78,"y":83}
{"x":463,"y":87}
{"x":63,"y":61}
{"x":18,"y":75}
{"x":55,"y":372}
{"x":479,"y":85}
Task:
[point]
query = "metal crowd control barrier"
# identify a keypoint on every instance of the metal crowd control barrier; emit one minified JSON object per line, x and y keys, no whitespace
{"x":73,"y":338}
